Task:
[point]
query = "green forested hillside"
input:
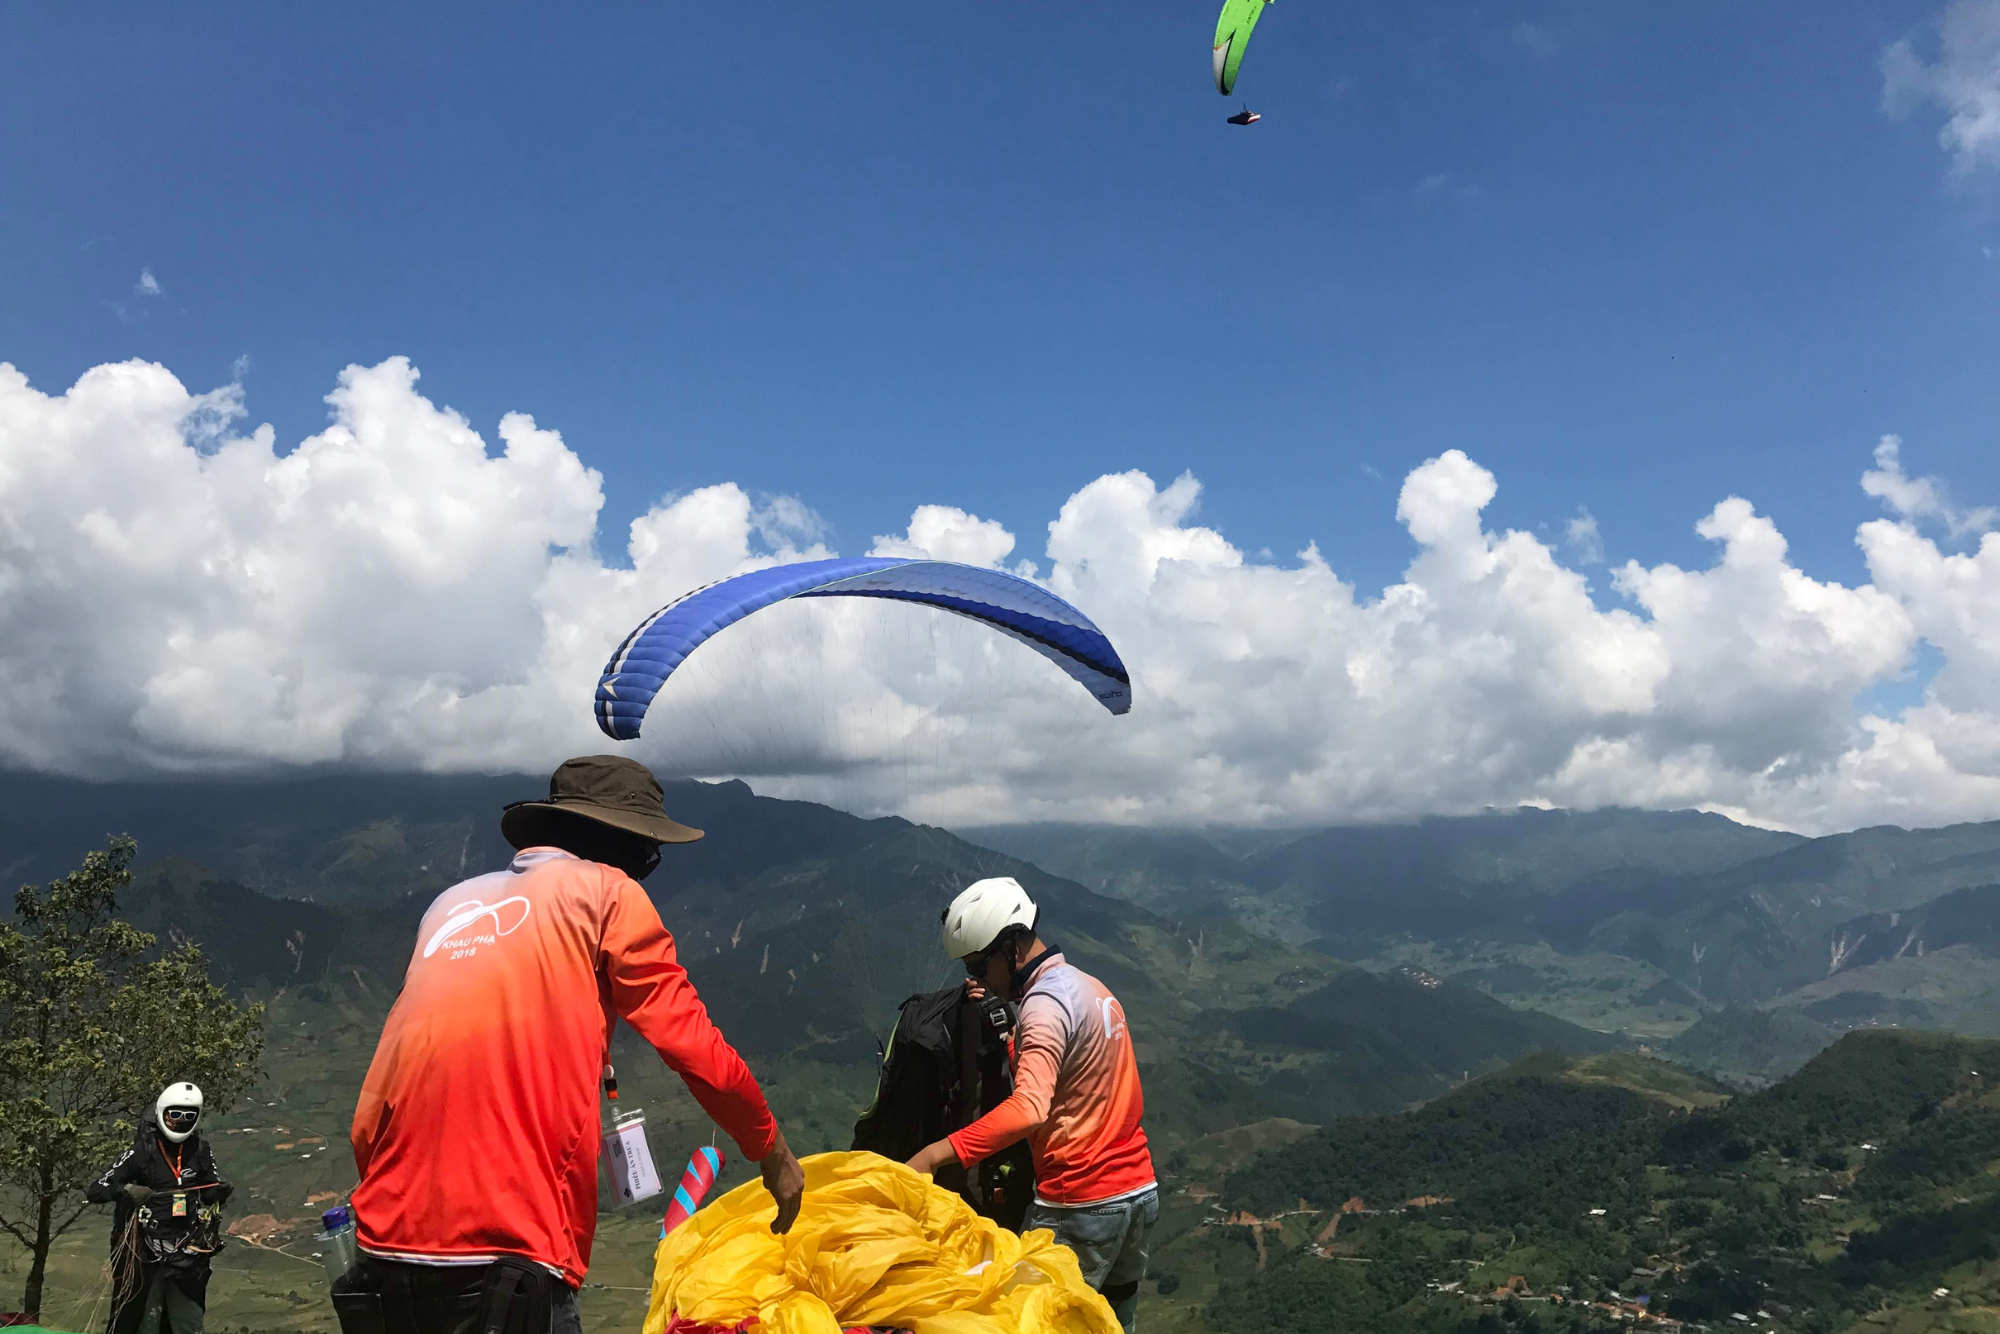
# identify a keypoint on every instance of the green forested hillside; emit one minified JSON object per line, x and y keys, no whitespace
{"x":1500,"y":1146}
{"x":1863,"y":1184}
{"x":1962,"y":917}
{"x":1770,"y":925}
{"x":1752,"y":1044}
{"x":1956,"y":989}
{"x":1367,"y":1041}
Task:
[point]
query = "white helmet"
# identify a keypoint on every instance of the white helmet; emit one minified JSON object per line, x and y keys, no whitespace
{"x":982,"y":911}
{"x":172,"y":1110}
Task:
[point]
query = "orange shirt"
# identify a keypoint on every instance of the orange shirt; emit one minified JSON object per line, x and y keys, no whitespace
{"x":1076,"y":1096}
{"x":477,"y":1131}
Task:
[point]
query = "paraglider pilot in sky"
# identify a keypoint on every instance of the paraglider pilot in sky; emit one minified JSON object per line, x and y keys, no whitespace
{"x":476,"y":1135}
{"x":1076,"y":1097}
{"x":168,"y":1220}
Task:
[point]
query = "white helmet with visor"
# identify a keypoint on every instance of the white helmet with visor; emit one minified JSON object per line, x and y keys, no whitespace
{"x":178,"y":1110}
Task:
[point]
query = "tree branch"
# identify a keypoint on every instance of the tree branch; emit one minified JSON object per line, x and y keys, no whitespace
{"x":65,"y":1225}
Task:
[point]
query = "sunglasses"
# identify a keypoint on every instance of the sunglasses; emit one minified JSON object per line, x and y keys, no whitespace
{"x":975,"y":964}
{"x":180,"y":1118}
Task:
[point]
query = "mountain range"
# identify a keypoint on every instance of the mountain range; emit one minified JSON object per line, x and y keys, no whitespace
{"x":806,"y":928}
{"x":1275,"y":980}
{"x":1645,"y":922}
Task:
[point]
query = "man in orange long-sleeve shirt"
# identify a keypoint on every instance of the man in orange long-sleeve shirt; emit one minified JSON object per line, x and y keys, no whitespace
{"x":1076,"y":1097}
{"x":477,"y":1131}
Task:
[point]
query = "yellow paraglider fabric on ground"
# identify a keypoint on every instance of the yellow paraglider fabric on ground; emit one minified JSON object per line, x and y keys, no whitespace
{"x":874,"y":1244}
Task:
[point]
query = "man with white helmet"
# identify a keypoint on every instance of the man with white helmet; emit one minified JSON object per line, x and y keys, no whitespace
{"x":166,"y":1183}
{"x":1076,"y":1097}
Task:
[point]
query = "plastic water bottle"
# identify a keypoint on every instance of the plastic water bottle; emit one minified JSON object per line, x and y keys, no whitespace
{"x":339,"y":1251}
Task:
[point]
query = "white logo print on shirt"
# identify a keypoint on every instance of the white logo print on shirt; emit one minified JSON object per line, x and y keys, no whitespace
{"x":507,"y":915}
{"x":1111,"y":1031}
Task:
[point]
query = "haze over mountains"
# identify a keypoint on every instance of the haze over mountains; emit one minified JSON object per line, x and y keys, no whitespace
{"x":1645,"y":924}
{"x":1882,"y":924}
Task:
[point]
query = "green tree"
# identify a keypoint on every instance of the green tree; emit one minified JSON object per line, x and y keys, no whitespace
{"x":94,"y":1021}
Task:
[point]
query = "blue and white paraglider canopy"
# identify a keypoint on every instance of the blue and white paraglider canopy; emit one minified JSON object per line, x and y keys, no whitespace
{"x":1014,"y":606}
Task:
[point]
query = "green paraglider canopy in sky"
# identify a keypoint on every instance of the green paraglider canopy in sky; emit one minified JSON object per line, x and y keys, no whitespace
{"x":1232,"y":34}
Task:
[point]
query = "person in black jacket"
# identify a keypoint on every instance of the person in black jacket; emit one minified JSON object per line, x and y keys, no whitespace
{"x":168,"y":1220}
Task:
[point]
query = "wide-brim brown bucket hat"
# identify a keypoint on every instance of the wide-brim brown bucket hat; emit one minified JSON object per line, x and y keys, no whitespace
{"x":609,"y":789}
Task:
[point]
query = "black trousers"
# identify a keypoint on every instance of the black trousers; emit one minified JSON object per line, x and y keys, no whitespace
{"x":178,"y":1291}
{"x":392,"y":1297}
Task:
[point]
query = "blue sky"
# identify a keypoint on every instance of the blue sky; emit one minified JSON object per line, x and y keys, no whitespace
{"x":1629,"y":257}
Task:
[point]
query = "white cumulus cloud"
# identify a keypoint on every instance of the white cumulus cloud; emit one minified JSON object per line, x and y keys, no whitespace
{"x":179,"y":595}
{"x":939,"y":532}
{"x":1963,"y":82}
{"x":147,"y":285}
{"x":1920,"y":498}
{"x":1580,"y":535}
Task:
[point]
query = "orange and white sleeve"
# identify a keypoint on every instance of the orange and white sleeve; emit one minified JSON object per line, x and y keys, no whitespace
{"x":1039,"y":1042}
{"x":651,"y":991}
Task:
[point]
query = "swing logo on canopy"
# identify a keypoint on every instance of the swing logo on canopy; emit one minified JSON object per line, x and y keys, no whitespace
{"x":461,"y":933}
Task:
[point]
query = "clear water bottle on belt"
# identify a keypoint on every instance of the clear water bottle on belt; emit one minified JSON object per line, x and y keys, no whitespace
{"x":338,"y":1250}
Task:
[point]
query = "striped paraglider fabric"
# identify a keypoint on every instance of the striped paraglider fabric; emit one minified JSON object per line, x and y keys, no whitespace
{"x":702,"y":1166}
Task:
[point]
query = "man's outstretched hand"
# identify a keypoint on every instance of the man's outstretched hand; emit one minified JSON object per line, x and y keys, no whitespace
{"x":786,"y":1181}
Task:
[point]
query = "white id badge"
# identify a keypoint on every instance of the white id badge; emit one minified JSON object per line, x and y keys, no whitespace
{"x":628,"y":1162}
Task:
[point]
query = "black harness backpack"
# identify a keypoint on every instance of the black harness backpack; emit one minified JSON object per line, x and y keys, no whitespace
{"x":945,"y":1066}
